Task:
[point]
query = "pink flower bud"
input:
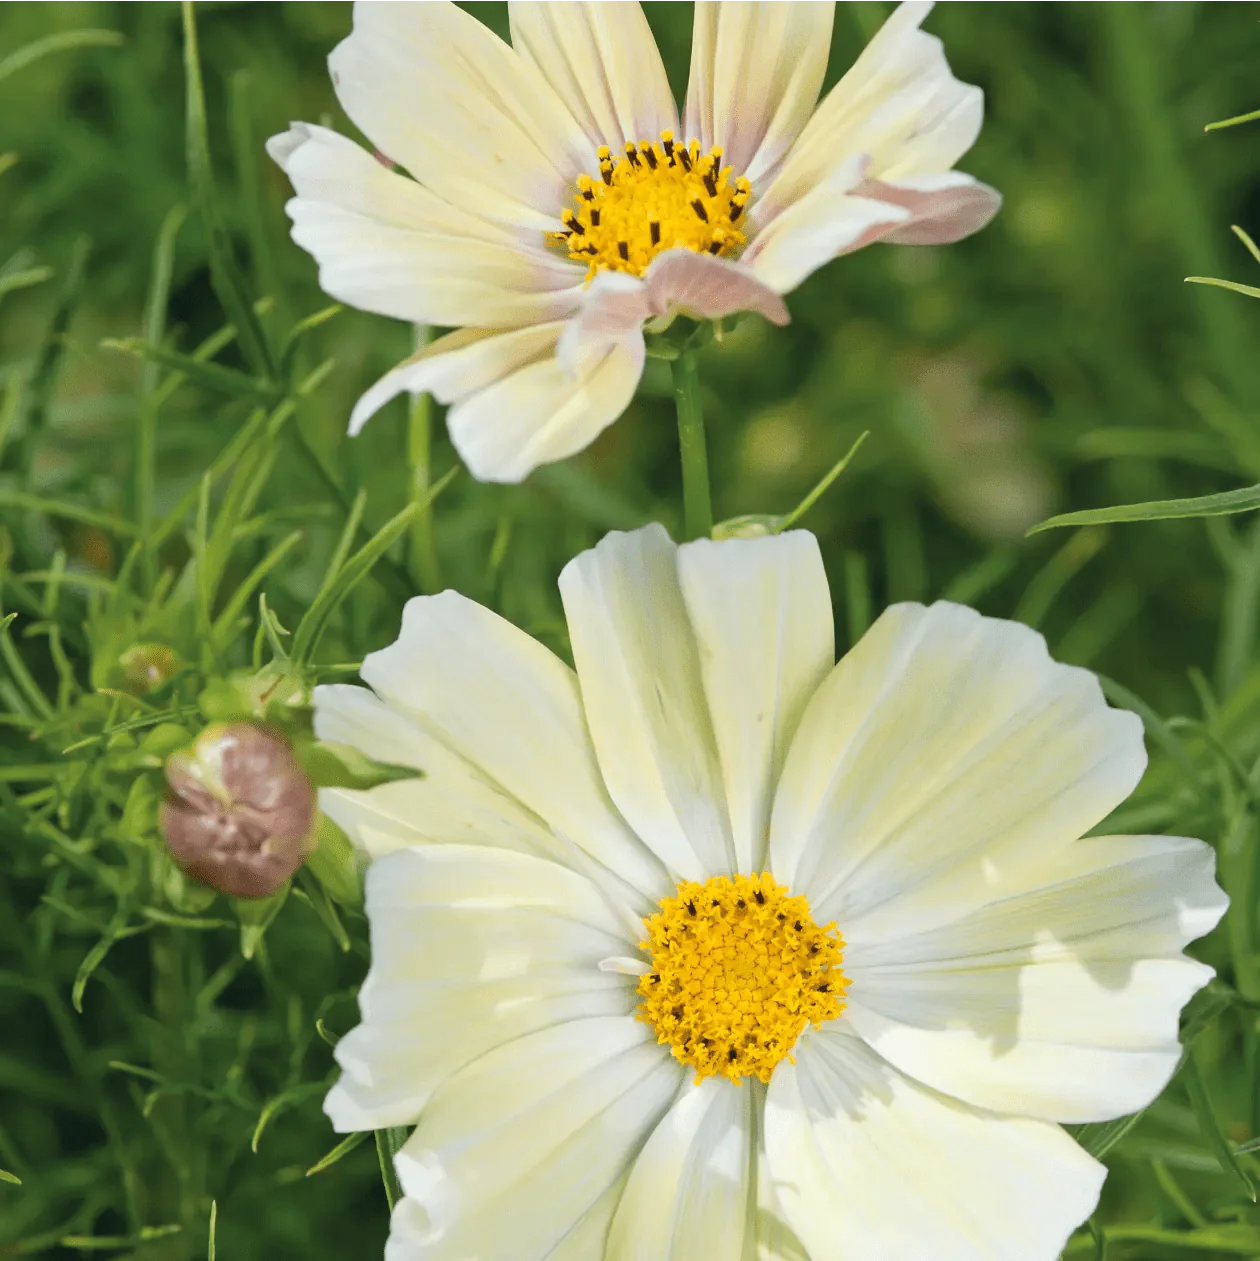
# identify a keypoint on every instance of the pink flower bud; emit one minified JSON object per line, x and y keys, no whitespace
{"x":241,"y":810}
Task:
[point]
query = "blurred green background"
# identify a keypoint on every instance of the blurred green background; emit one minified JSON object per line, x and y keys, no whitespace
{"x":1057,"y":361}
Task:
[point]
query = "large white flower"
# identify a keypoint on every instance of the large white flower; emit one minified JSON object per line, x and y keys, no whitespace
{"x":605,"y":985}
{"x":556,"y":203}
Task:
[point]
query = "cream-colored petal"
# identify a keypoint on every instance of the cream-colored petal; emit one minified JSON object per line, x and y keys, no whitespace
{"x":458,"y":365}
{"x":756,"y":70}
{"x":707,"y":288}
{"x":1060,"y":998}
{"x":639,"y":670}
{"x":760,"y":610}
{"x":614,"y":307}
{"x":899,"y":106}
{"x":470,"y":118}
{"x":542,"y":413}
{"x":472,"y":948}
{"x":870,"y":1166}
{"x":385,"y":244}
{"x":519,"y":1149}
{"x":688,"y":1193}
{"x":452,"y":802}
{"x":509,"y":709}
{"x":603,"y":63}
{"x":943,"y":208}
{"x":945,"y":755}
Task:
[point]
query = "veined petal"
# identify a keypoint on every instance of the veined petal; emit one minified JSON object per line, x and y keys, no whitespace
{"x":756,"y":70}
{"x":945,"y":754}
{"x":467,"y":116}
{"x":509,"y":709}
{"x":760,"y":610}
{"x":899,"y":106}
{"x":459,"y":365}
{"x":870,"y":1166}
{"x":707,"y":288}
{"x":1061,"y":998}
{"x":603,"y":63}
{"x":453,"y":801}
{"x":472,"y":948}
{"x":639,"y":670}
{"x":542,"y":412}
{"x":943,"y":208}
{"x":385,"y":244}
{"x":688,"y":1192}
{"x":516,"y":1150}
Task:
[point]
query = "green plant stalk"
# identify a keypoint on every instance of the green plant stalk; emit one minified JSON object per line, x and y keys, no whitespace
{"x":697,"y":502}
{"x":426,"y":573}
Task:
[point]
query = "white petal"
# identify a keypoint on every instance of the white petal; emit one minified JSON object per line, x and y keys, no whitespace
{"x":453,"y":802}
{"x":517,"y":1149}
{"x":708,"y":288}
{"x":944,"y":755}
{"x":641,"y":686}
{"x":472,"y":947}
{"x":899,"y":105}
{"x":458,"y":365}
{"x":869,"y":1166}
{"x":603,"y":62}
{"x":614,"y":306}
{"x":510,"y":710}
{"x":760,"y":610}
{"x":471,"y":119}
{"x":385,"y":244}
{"x":943,"y":208}
{"x":756,"y":70}
{"x":541,"y":413}
{"x":1059,"y":1000}
{"x":688,"y":1192}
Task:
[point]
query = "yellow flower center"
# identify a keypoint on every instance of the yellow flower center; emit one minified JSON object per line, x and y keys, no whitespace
{"x":739,"y":968}
{"x":659,"y":196}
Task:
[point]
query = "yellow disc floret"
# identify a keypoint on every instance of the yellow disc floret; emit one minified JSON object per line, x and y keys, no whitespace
{"x":660,"y":195}
{"x":738,"y":969}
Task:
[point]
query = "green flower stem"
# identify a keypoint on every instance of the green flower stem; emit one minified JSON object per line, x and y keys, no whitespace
{"x":697,"y":503}
{"x":423,"y":559}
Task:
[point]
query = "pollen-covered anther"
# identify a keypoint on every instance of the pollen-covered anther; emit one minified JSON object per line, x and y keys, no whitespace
{"x":738,"y":970}
{"x":658,"y":196}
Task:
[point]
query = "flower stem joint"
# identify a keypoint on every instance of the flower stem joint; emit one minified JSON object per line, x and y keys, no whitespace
{"x":240,"y":813}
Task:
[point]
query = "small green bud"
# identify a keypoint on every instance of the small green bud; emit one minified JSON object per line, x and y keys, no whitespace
{"x":145,"y":667}
{"x":753,"y":526}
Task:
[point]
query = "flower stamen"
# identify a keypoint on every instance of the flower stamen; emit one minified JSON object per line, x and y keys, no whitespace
{"x":659,"y":196}
{"x":738,"y":969}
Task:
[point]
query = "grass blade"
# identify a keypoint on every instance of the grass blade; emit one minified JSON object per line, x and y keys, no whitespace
{"x":1246,"y":499}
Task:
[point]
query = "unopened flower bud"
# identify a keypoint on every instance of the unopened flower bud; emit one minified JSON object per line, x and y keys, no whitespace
{"x":147,"y":666}
{"x":241,"y":809}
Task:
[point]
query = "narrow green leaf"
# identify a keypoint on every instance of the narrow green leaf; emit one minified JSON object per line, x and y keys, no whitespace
{"x":214,"y":1220}
{"x":344,"y":1148}
{"x":6,"y":1176}
{"x":95,"y":957}
{"x":286,"y":1099}
{"x":225,"y":623}
{"x":1233,"y":122}
{"x":228,"y":381}
{"x":388,"y":1144}
{"x":1247,"y":499}
{"x":62,"y":41}
{"x":1211,"y":1129}
{"x":225,"y":275}
{"x":66,"y":512}
{"x":1249,"y":291}
{"x":315,"y":893}
{"x":1098,"y":1138}
{"x":12,"y":281}
{"x":311,"y":628}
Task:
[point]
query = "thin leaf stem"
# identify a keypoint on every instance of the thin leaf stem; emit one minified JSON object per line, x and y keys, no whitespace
{"x":697,"y":502}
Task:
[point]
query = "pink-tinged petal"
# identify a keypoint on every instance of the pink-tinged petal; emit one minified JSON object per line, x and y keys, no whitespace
{"x":708,"y":288}
{"x":603,"y":62}
{"x":943,"y":208}
{"x":756,"y":70}
{"x":457,"y":365}
{"x":613,"y":306}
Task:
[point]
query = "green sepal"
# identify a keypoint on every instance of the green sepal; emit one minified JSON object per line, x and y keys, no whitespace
{"x":256,"y":914}
{"x":334,"y":863}
{"x":332,"y":765}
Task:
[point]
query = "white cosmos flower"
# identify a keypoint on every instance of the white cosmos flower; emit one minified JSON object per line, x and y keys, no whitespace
{"x":523,"y":221}
{"x":997,"y":976}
